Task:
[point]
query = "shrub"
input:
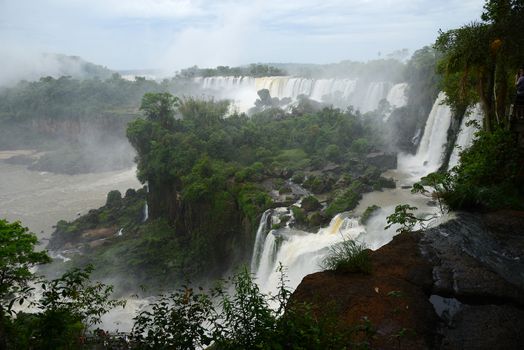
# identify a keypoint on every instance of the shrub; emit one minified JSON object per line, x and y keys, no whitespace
{"x":298,"y":178}
{"x":176,"y":321}
{"x":407,"y":220}
{"x":368,"y":213}
{"x":348,"y":256}
{"x":299,"y":215}
{"x":310,"y":203}
{"x":241,"y":319}
{"x":347,"y":200}
{"x":489,"y":175}
{"x":114,"y":198}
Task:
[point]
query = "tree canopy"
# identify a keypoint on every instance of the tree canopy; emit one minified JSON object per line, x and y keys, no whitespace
{"x":17,"y":257}
{"x":480,"y":59}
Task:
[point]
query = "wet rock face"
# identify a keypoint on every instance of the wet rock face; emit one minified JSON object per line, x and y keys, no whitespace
{"x":383,"y":160}
{"x":456,"y":286}
{"x":474,"y":264}
{"x":392,"y":298}
{"x":469,"y":263}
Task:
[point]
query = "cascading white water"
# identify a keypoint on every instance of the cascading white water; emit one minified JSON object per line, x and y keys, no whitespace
{"x":146,"y":207}
{"x":300,"y":252}
{"x":375,"y":92}
{"x":397,"y":96}
{"x":429,"y":154}
{"x":260,"y":239}
{"x":146,"y":212}
{"x":340,"y":92}
{"x":466,"y":133}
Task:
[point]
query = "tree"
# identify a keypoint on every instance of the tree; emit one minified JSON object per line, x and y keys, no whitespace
{"x":160,"y":107}
{"x":480,"y":58}
{"x":17,"y":257}
{"x":70,"y":305}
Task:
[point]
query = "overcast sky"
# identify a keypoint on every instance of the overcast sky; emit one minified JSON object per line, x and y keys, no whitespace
{"x":171,"y":34}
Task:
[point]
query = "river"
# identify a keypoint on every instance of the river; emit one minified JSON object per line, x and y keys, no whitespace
{"x":40,"y":199}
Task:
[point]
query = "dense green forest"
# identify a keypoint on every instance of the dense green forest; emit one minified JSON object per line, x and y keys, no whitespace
{"x":233,"y":315}
{"x":209,"y":177}
{"x":253,"y":70}
{"x":478,"y":65}
{"x":79,"y":123}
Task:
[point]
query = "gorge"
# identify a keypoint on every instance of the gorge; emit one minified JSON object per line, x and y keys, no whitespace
{"x":279,"y":187}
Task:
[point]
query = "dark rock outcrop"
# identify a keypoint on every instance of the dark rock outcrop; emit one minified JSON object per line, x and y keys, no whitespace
{"x":382,"y":160}
{"x":456,"y":286}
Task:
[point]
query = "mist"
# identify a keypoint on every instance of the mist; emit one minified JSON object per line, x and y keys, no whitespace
{"x":30,"y":65}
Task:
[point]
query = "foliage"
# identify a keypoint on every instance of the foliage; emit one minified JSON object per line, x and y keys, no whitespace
{"x":405,"y":217}
{"x":489,"y":175}
{"x":126,"y":213}
{"x":479,"y":60}
{"x":114,"y":198}
{"x":245,"y":318}
{"x":310,"y":203}
{"x":368,"y":213}
{"x":159,"y":107}
{"x":75,"y":293}
{"x":299,"y":215}
{"x":175,"y":321}
{"x":347,"y":200}
{"x":69,"y":305}
{"x":17,"y":257}
{"x":242,"y":319}
{"x":253,"y":70}
{"x":439,"y":182}
{"x":347,"y":256}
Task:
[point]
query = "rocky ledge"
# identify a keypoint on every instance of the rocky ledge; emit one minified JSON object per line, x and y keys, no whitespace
{"x":456,"y":286}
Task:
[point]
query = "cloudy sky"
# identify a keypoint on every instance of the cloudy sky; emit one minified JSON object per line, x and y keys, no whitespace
{"x":171,"y":34}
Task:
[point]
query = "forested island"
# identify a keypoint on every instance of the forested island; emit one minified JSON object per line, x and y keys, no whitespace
{"x":215,"y":180}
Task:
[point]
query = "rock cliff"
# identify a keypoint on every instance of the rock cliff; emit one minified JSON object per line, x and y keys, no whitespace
{"x":456,"y":286}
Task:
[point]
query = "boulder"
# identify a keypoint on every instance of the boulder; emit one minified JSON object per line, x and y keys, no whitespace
{"x":382,"y":160}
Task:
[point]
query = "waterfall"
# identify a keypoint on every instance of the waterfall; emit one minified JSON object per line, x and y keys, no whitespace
{"x":146,"y":212}
{"x":260,"y":239}
{"x":301,"y":252}
{"x":146,"y":207}
{"x":397,"y":96}
{"x":339,"y":92}
{"x":430,"y":150}
{"x":375,"y":92}
{"x":466,"y":133}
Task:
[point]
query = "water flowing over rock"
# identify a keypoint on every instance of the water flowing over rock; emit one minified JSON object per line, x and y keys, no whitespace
{"x":397,"y":96}
{"x":146,"y":212}
{"x":260,"y":239}
{"x":364,"y":96}
{"x":301,"y":252}
{"x":429,"y":155}
{"x":466,"y":133}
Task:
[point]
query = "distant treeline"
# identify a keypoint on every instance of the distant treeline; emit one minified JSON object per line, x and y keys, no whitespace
{"x":66,"y":97}
{"x":253,"y":70}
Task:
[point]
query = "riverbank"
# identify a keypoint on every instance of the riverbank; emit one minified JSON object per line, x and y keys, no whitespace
{"x":39,"y":199}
